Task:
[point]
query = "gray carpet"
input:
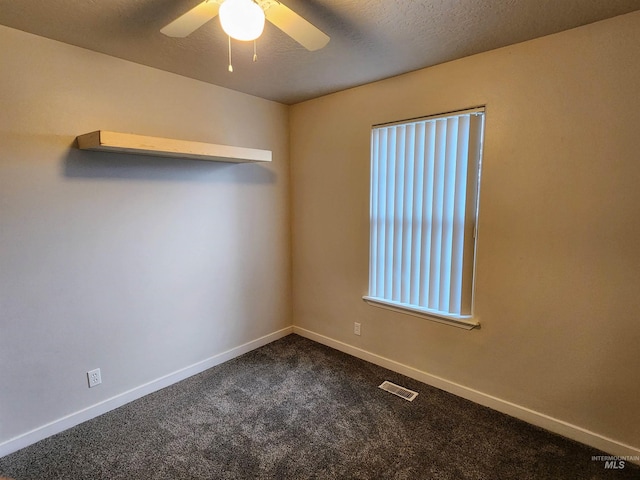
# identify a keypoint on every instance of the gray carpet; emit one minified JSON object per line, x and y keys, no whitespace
{"x":295,"y":409}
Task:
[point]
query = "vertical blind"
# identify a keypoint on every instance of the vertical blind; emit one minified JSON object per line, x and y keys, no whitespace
{"x":424,"y":192}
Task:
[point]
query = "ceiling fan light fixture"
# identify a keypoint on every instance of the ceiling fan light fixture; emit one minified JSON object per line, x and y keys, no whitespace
{"x":242,"y":19}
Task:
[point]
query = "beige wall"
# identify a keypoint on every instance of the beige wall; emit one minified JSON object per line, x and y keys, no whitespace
{"x":137,"y":265}
{"x":558,"y":261}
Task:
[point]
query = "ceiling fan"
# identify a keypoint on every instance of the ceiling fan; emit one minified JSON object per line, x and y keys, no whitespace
{"x":244,"y":20}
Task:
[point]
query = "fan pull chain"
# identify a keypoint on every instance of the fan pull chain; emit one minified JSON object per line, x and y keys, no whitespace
{"x":230,"y":66}
{"x":255,"y":50}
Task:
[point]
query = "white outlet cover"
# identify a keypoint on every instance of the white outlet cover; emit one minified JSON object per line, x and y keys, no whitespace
{"x":94,"y":377}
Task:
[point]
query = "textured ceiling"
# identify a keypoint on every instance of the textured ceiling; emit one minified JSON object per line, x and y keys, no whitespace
{"x":370,"y":39}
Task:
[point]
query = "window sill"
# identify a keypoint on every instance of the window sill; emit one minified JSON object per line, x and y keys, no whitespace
{"x":461,"y":322}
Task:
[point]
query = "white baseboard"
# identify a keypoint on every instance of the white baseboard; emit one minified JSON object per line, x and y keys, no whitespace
{"x":574,"y":432}
{"x":112,"y":403}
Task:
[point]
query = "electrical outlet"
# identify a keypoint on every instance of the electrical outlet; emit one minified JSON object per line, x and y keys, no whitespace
{"x":356,"y":328}
{"x":94,"y":377}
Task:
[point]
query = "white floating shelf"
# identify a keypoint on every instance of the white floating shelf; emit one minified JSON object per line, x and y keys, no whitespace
{"x":165,"y":147}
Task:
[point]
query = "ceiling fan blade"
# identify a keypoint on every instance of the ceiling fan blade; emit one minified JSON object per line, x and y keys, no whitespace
{"x":192,"y":20}
{"x":296,"y":27}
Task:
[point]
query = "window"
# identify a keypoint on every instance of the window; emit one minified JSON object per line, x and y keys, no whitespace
{"x":425,"y":177}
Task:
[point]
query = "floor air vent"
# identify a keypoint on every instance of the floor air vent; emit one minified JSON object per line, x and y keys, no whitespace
{"x":398,"y":390}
